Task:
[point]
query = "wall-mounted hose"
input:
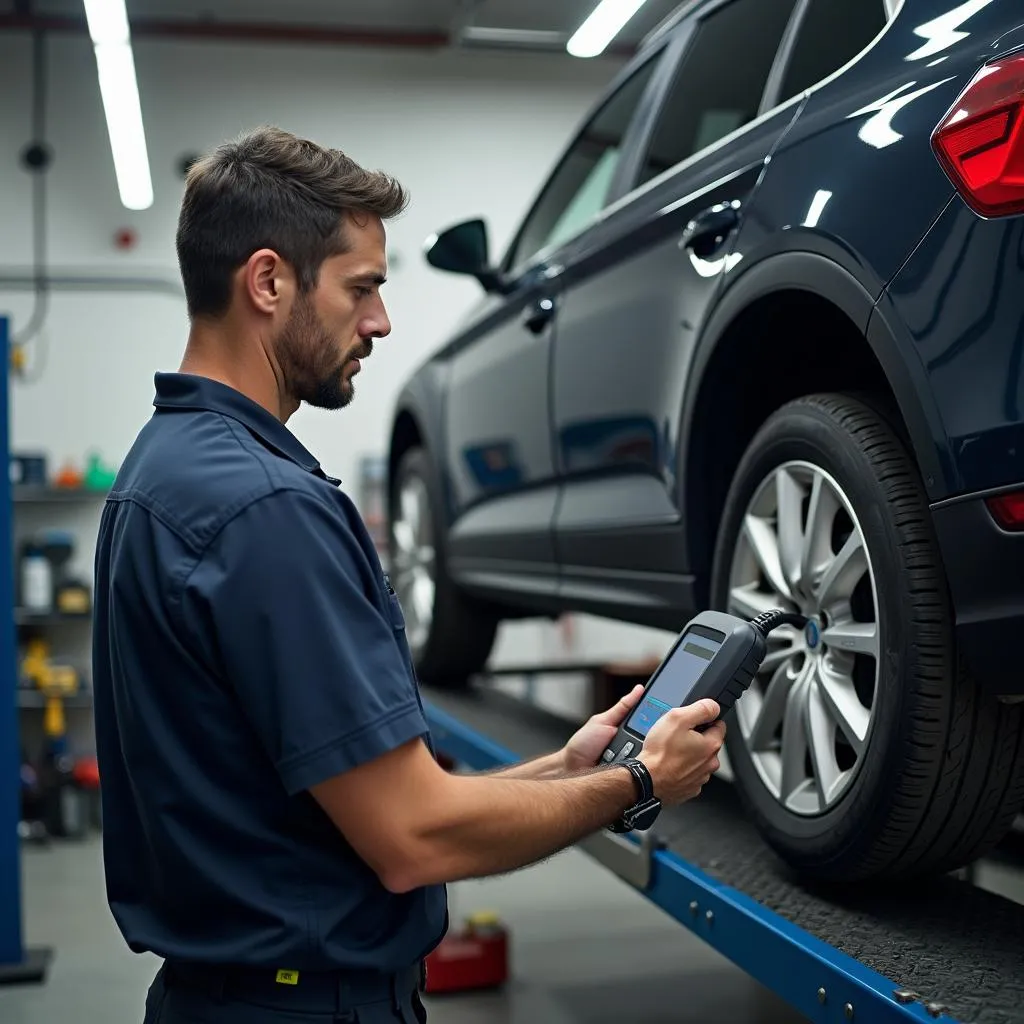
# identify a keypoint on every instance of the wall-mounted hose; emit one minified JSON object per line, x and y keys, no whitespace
{"x":36,"y":159}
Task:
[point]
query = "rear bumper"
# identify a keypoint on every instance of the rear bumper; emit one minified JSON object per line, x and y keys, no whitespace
{"x":985,"y":569}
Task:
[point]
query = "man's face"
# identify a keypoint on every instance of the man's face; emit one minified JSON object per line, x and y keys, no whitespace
{"x":332,"y":328}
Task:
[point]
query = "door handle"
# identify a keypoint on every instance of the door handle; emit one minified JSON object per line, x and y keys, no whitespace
{"x":539,"y":315}
{"x":710,"y":228}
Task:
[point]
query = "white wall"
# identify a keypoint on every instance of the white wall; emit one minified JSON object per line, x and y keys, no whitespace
{"x":469,"y":134}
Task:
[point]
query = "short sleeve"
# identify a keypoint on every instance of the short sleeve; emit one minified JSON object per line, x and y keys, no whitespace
{"x":285,"y":595}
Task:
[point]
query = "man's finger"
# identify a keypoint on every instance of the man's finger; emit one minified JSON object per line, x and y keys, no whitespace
{"x":716,"y":733}
{"x":618,"y":711}
{"x":703,"y":711}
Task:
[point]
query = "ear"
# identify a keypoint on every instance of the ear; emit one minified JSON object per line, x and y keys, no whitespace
{"x":267,"y":281}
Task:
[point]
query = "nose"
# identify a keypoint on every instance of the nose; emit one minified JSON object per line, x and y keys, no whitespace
{"x":376,"y":325}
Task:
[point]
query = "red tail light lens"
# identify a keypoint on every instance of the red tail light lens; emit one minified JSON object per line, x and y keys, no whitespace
{"x":980,"y":142}
{"x":1008,"y":510}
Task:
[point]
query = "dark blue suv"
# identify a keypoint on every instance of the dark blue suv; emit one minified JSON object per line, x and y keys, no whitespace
{"x":759,"y":342}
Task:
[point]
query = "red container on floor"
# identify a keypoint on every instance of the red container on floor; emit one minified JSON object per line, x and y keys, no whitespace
{"x":475,"y":957}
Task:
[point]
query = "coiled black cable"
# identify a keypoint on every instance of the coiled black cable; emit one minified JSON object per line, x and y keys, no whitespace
{"x":767,"y":621}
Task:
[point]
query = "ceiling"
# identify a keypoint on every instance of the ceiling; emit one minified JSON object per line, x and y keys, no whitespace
{"x":533,"y":24}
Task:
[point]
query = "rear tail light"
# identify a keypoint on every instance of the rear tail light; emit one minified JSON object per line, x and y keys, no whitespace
{"x":980,"y":142}
{"x":1007,"y":510}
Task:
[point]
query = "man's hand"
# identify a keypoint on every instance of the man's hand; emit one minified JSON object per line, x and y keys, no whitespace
{"x":682,"y":760}
{"x":589,"y":742}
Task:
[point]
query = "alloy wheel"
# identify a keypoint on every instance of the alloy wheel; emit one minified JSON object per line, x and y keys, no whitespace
{"x":806,"y":719}
{"x":414,"y":560}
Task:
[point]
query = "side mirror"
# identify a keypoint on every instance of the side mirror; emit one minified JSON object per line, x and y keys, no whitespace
{"x":463,"y":249}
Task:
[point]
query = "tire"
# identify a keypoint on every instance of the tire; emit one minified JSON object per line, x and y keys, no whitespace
{"x":450,"y":637}
{"x":939,"y":775}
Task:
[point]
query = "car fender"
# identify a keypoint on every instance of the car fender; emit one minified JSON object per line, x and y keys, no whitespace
{"x":422,"y":398}
{"x":823,"y":275}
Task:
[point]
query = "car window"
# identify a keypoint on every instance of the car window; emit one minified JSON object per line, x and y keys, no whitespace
{"x":578,"y":189}
{"x":831,"y":33}
{"x":720,"y":81}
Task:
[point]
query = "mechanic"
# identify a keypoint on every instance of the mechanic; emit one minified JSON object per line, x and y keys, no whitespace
{"x":276,"y":827}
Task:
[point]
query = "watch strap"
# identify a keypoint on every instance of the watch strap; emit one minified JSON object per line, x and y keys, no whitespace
{"x":642,"y":813}
{"x":645,"y":784}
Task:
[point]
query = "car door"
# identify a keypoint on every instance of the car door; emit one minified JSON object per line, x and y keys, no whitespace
{"x":498,"y":450}
{"x":633,"y":294}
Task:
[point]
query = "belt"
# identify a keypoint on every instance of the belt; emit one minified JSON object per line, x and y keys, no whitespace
{"x":302,"y":991}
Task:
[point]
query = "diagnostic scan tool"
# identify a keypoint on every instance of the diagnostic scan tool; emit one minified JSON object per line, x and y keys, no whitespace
{"x":715,"y":656}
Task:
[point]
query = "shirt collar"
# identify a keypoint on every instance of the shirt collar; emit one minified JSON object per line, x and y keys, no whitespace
{"x":189,"y":391}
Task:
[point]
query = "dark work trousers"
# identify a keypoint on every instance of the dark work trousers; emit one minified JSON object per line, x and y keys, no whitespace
{"x":181,"y":995}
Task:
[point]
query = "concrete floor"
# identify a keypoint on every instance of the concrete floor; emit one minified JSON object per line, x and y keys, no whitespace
{"x":585,"y":949}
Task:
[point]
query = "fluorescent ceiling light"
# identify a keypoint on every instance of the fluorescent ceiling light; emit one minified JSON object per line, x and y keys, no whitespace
{"x":108,"y":21}
{"x":606,"y":21}
{"x":512,"y":36}
{"x":115,"y":66}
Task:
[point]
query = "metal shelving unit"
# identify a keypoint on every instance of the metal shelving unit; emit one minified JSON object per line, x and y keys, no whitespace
{"x":33,"y":699}
{"x":24,"y":494}
{"x":29,"y":618}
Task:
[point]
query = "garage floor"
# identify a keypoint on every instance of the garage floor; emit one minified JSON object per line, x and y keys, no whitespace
{"x":585,"y":949}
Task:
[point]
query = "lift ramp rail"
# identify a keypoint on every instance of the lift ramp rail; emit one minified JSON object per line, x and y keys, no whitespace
{"x":941,"y":951}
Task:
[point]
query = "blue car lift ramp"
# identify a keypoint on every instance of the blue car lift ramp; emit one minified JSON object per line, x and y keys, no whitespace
{"x":940,"y":950}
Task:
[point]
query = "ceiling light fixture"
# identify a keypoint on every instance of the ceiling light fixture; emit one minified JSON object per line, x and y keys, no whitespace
{"x":605,"y":22}
{"x":514,"y":37}
{"x":115,"y":67}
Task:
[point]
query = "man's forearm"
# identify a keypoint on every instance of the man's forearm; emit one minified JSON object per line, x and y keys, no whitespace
{"x":547,"y":766}
{"x":488,"y":825}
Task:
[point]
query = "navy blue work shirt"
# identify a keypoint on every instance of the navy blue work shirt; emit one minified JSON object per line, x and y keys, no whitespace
{"x":247,"y":645}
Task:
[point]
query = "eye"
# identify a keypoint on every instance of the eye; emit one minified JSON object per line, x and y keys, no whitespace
{"x":363,"y":292}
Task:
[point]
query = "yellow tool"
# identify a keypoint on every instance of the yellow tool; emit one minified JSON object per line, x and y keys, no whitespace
{"x":55,"y":682}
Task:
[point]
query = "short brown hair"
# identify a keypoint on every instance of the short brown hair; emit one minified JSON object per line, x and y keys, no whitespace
{"x":270,"y":189}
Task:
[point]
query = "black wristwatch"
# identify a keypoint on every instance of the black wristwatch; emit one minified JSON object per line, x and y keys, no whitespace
{"x":641,"y":816}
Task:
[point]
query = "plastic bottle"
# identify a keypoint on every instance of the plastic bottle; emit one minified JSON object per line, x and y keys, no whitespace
{"x":36,"y":580}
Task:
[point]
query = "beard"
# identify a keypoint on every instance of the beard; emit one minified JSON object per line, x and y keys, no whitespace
{"x":313,"y":372}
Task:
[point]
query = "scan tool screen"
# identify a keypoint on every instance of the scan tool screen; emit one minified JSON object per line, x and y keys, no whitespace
{"x":676,"y":680}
